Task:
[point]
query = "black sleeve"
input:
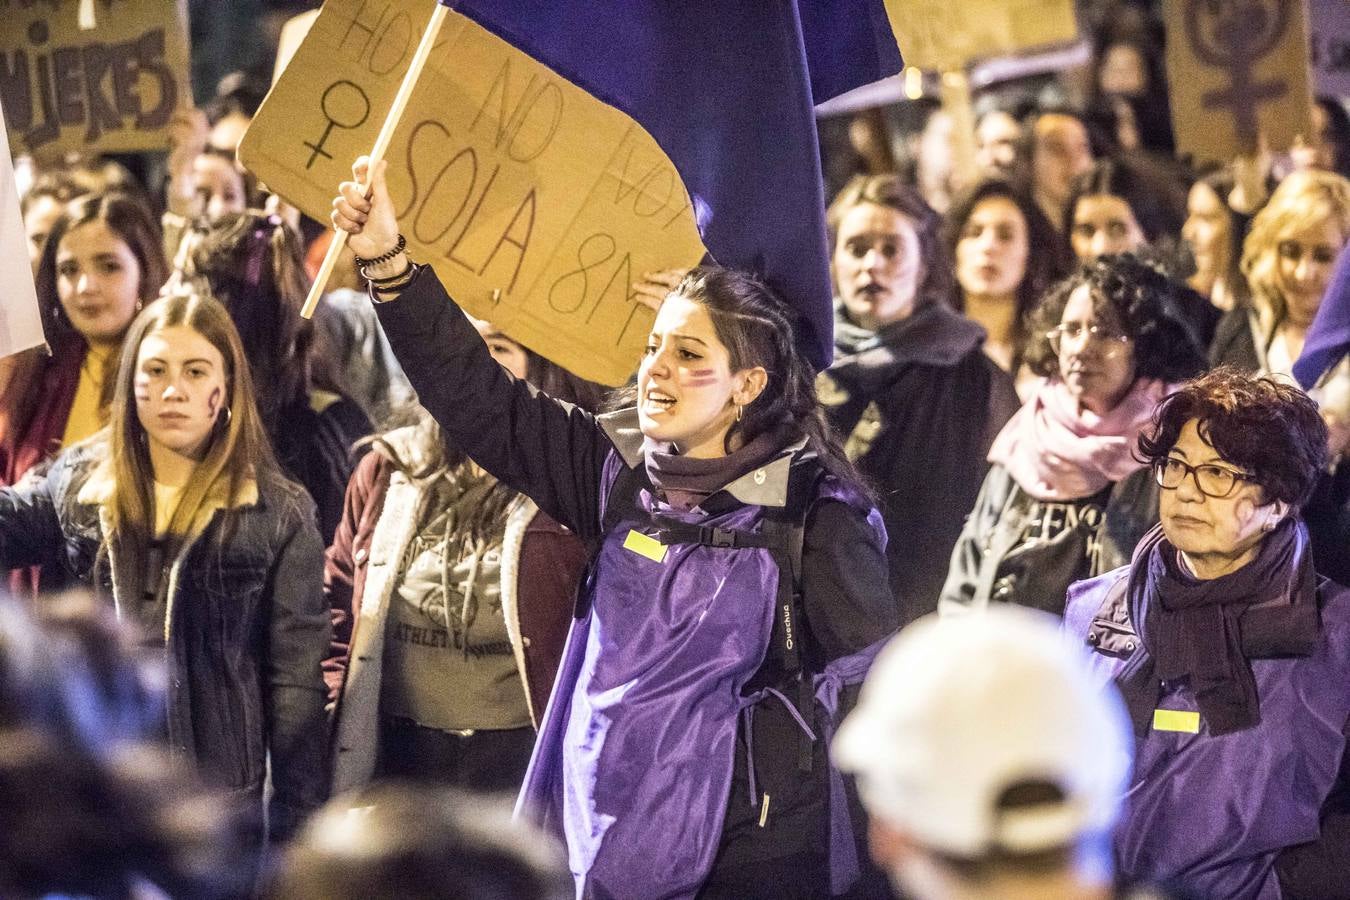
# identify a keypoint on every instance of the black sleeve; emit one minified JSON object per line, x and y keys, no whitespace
{"x":550,"y":451}
{"x":30,"y":528}
{"x":299,"y":638}
{"x":845,"y":586}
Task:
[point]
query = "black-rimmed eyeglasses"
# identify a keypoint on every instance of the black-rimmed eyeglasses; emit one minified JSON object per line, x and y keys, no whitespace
{"x":1213,"y":481}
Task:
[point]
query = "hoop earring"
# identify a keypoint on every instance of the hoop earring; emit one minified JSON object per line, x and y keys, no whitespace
{"x":739,"y":408}
{"x":227,"y":418}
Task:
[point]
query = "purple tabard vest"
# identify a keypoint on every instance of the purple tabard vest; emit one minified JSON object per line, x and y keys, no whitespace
{"x":634,"y":759}
{"x":1210,"y":813}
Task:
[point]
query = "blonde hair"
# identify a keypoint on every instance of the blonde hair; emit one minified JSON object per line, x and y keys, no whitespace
{"x":1303,"y":200}
{"x":237,"y":451}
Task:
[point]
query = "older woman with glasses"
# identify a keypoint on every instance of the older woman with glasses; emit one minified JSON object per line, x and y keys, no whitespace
{"x":1232,"y":653}
{"x":1066,"y":498}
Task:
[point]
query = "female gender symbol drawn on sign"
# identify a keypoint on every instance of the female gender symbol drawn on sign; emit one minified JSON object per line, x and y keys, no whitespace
{"x":1235,"y":35}
{"x":349,"y":117}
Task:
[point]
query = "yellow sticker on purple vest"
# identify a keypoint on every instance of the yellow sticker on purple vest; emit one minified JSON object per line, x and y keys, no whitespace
{"x":646,"y":546}
{"x":1176,"y":720}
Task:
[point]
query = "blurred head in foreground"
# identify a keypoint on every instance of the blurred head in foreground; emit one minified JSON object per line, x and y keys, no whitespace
{"x":401,"y":843}
{"x":990,"y":759}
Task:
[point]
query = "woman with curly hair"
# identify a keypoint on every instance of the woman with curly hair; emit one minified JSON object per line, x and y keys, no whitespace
{"x":1232,"y":653}
{"x":1066,"y":498}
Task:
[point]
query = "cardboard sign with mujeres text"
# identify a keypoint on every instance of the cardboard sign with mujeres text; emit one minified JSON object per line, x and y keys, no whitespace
{"x":94,"y":76}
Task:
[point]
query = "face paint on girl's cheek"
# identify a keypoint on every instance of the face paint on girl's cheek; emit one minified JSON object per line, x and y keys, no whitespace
{"x":701,"y":377}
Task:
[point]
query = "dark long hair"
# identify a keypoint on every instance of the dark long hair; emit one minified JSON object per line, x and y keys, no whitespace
{"x":128,"y":218}
{"x":1046,"y":260}
{"x":759,"y":329}
{"x":131,"y":220}
{"x":253,"y":264}
{"x":1158,"y":206}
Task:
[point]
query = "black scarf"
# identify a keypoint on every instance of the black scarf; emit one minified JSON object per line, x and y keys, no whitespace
{"x":934,"y":334}
{"x":1207,"y":631}
{"x":686,"y":481}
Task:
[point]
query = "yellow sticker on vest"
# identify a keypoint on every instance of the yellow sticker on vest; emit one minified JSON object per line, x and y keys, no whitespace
{"x":1176,"y":720}
{"x":646,"y":546}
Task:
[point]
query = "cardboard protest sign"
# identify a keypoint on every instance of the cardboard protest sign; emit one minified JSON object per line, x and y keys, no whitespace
{"x":1237,"y":68}
{"x":944,"y":35}
{"x":1330,"y":34}
{"x":537,"y":204}
{"x":92,"y":76}
{"x":292,"y":34}
{"x":20,"y":320}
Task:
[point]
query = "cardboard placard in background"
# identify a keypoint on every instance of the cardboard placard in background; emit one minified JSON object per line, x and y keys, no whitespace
{"x":942,"y":35}
{"x":1330,"y":37}
{"x":537,"y":204}
{"x":78,"y":75}
{"x":20,"y":320}
{"x":1237,"y":68}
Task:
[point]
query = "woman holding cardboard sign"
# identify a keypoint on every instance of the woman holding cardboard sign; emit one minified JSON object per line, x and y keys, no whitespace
{"x":736,"y":590}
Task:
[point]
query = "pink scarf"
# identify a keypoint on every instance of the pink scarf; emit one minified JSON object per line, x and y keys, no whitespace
{"x":1057,"y":451}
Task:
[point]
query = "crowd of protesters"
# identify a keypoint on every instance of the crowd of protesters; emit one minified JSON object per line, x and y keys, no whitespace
{"x":395,"y":558}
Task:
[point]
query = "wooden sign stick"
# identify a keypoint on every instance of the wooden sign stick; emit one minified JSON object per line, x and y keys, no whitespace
{"x":382,"y":140}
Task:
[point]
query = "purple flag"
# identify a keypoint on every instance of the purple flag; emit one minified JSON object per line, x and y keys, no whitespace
{"x":1329,"y":336}
{"x":727,"y":88}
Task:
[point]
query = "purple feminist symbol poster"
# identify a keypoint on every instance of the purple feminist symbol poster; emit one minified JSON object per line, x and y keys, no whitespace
{"x":1238,"y":69}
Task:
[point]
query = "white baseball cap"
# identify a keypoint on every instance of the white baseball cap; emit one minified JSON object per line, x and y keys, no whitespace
{"x":955,"y":711}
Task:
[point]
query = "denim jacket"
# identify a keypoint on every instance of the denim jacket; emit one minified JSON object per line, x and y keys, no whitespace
{"x":245,"y":631}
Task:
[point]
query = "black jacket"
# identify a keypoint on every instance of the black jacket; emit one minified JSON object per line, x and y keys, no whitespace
{"x":245,"y":631}
{"x":1017,"y":549}
{"x":919,"y":405}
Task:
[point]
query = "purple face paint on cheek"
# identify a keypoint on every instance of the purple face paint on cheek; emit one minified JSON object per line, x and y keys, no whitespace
{"x":701,"y":377}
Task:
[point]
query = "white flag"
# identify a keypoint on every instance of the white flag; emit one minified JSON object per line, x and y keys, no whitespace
{"x":20,"y":321}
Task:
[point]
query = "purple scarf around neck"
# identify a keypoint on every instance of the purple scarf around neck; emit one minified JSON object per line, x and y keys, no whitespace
{"x":1208,"y":631}
{"x":686,"y":482}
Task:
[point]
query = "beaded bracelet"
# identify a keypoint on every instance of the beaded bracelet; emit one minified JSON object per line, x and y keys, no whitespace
{"x":399,"y":247}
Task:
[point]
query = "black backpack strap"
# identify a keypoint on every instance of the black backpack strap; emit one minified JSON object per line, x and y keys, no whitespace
{"x":787,"y":528}
{"x":670,"y":531}
{"x":621,"y":498}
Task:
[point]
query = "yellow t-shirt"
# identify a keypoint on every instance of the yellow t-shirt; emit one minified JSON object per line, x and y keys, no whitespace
{"x":84,"y":419}
{"x":166,"y":501}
